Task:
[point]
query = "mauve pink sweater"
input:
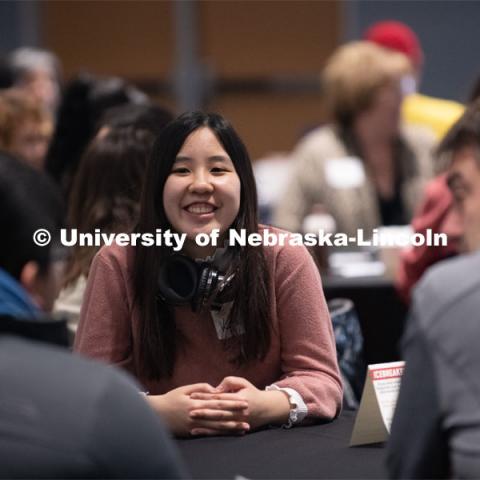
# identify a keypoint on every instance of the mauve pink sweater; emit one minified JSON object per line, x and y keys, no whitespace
{"x":302,"y":354}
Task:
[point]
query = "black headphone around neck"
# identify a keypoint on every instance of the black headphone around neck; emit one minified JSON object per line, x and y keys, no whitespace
{"x":183,"y":281}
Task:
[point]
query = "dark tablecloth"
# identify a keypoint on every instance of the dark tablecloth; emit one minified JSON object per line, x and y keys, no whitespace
{"x":319,"y":451}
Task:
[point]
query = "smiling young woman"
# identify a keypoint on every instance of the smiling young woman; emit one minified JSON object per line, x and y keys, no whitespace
{"x":252,"y":344}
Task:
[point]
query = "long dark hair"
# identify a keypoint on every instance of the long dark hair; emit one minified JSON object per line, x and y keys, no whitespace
{"x":158,"y":336}
{"x":106,"y":190}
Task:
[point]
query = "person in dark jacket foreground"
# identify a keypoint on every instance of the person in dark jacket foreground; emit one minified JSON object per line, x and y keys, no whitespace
{"x":60,"y":416}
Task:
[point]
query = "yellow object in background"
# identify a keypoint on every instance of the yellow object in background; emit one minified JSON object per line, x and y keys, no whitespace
{"x":436,"y":113}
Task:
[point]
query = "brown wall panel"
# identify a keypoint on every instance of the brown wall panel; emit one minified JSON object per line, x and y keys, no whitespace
{"x":270,"y":122}
{"x":252,"y":38}
{"x":241,"y":40}
{"x":127,"y":38}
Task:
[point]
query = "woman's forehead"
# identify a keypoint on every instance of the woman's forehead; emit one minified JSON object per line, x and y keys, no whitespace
{"x":202,"y":142}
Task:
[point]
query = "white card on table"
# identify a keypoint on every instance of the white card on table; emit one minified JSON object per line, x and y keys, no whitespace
{"x":379,"y":397}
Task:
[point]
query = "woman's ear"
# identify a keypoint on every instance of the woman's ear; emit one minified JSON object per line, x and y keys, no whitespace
{"x":29,"y":278}
{"x":43,"y":286}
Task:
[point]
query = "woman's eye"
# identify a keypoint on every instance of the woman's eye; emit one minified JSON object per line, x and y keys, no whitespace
{"x":180,"y":170}
{"x":218,"y":170}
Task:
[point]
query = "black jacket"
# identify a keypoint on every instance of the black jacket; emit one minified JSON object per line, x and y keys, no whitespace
{"x":62,"y":416}
{"x":436,"y":428}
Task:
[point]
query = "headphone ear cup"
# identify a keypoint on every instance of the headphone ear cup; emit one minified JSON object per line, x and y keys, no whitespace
{"x":178,"y":279}
{"x":206,"y":285}
{"x":201,"y":293}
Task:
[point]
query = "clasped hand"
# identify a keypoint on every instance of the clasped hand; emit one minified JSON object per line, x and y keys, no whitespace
{"x":232,"y":408}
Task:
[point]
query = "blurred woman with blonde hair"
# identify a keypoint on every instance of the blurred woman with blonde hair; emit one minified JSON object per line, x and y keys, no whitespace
{"x":364,"y":167}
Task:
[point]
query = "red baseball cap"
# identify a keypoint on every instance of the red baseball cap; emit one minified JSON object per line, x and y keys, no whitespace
{"x":396,"y":36}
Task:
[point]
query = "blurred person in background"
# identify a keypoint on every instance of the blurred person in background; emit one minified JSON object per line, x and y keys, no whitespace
{"x":38,"y":72}
{"x":437,"y":213}
{"x":25,"y":127}
{"x":61,"y":416}
{"x":436,"y":428}
{"x":364,"y":168}
{"x":435,"y":113}
{"x":106,"y":196}
{"x":86,"y":98}
{"x":149,"y":117}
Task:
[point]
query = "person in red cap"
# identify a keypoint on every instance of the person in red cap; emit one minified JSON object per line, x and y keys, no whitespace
{"x":438,"y":114}
{"x":397,"y":36}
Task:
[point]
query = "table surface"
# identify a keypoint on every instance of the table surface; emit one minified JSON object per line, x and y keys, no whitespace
{"x":318,"y":451}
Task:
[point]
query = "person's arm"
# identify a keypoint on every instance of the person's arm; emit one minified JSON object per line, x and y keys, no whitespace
{"x":128,"y":439}
{"x":104,"y":330}
{"x":417,"y":447}
{"x":308,"y":354}
{"x":310,"y":384}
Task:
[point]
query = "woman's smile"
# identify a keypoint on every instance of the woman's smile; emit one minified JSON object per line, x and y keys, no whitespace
{"x":200,"y":208}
